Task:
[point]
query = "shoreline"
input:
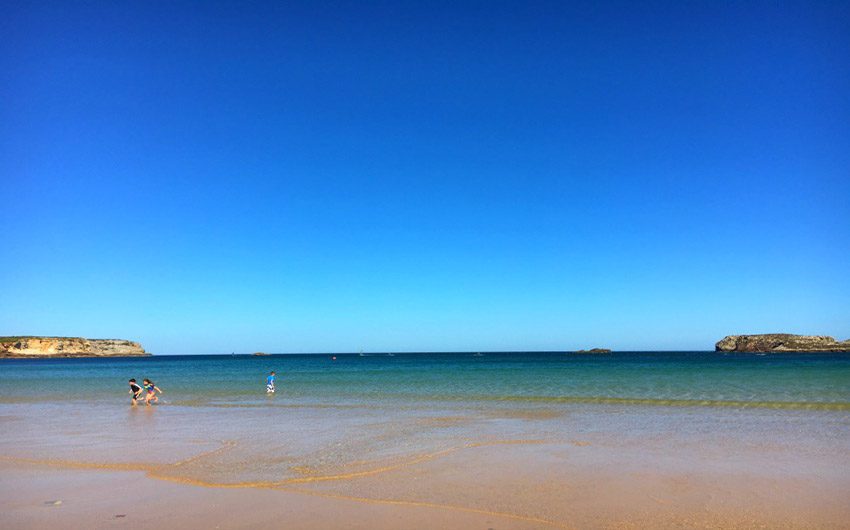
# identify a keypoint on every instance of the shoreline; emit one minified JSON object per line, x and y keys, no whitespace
{"x":593,"y":497}
{"x":502,"y":441}
{"x":605,"y":467}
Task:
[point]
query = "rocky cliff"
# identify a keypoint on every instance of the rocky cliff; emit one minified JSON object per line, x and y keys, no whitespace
{"x":781,"y":342}
{"x":67,"y":347}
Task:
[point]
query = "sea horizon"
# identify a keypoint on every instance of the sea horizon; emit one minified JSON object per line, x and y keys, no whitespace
{"x":426,"y":352}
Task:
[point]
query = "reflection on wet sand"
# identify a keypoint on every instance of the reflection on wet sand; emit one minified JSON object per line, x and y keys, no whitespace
{"x":559,"y":466}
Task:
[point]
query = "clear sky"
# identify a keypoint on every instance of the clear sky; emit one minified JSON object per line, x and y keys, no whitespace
{"x":390,"y":176}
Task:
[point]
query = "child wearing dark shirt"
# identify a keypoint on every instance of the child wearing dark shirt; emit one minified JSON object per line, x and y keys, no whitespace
{"x":135,"y":392}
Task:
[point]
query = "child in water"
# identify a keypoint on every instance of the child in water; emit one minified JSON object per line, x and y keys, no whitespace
{"x":270,"y":384}
{"x":135,"y":391}
{"x":152,"y":389}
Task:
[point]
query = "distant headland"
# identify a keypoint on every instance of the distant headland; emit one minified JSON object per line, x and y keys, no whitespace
{"x":32,"y":347}
{"x":781,"y":342}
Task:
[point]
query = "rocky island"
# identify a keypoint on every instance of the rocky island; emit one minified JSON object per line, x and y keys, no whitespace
{"x":595,"y":350}
{"x":38,"y":347}
{"x":781,"y":342}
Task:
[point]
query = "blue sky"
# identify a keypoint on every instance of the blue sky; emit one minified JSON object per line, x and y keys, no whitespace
{"x":394,"y":176}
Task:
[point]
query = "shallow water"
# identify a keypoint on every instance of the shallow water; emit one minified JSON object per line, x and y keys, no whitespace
{"x":804,"y":381}
{"x":500,"y":433}
{"x":330,"y":413}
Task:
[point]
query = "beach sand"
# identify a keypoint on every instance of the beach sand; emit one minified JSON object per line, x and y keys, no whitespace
{"x":107,"y":499}
{"x":534,"y":476}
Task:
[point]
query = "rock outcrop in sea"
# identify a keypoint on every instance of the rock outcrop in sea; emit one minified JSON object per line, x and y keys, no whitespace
{"x":781,"y":342}
{"x":595,"y":350}
{"x":68,"y":347}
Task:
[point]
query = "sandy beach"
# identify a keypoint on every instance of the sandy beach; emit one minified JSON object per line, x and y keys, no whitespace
{"x":459,"y":492}
{"x":520,"y":468}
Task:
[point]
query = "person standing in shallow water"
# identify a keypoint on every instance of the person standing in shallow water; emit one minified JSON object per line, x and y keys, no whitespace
{"x":135,"y":391}
{"x":151,"y":389}
{"x":270,"y":383}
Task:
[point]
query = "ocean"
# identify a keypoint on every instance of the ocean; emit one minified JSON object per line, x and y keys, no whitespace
{"x":702,"y":379}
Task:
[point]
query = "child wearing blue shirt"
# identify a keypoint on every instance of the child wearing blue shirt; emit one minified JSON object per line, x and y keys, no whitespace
{"x":270,"y":384}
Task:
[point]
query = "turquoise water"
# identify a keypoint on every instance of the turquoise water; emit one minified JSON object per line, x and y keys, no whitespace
{"x":787,"y":413}
{"x":804,"y":381}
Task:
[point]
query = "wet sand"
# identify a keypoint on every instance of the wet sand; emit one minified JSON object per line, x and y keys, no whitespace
{"x":488,"y":471}
{"x":421,"y":464}
{"x":108,"y":499}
